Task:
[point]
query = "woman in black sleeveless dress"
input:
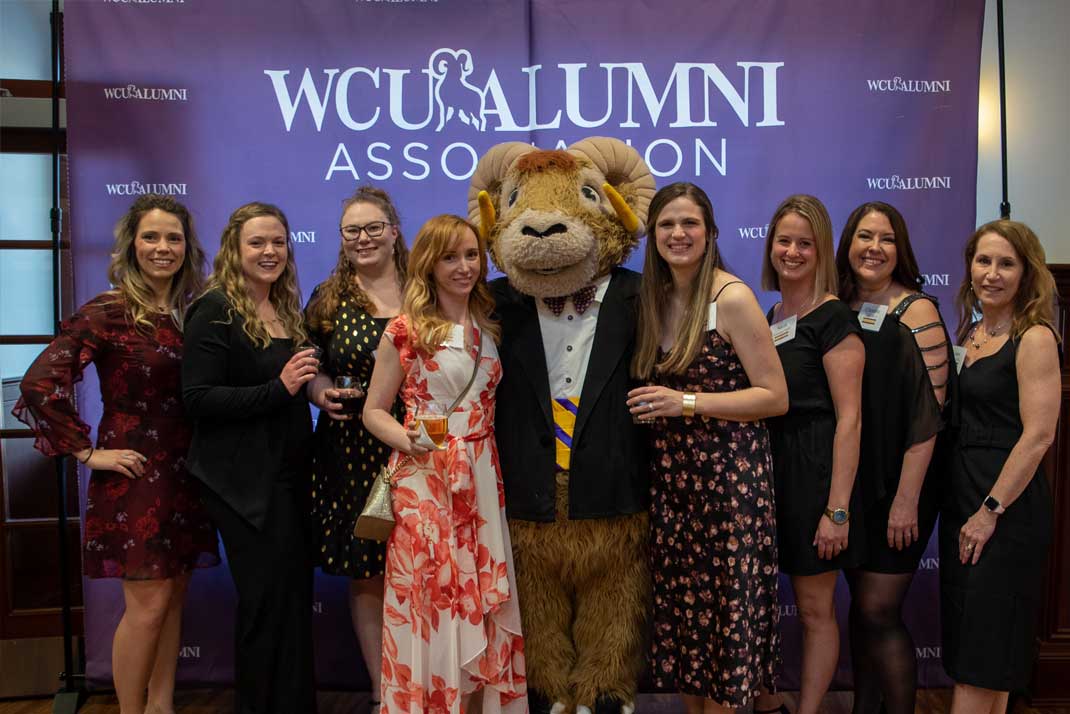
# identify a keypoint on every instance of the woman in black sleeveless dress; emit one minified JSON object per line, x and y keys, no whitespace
{"x":996,"y":525}
{"x":713,"y":376}
{"x":908,"y":378}
{"x":346,"y":317}
{"x":815,"y":445}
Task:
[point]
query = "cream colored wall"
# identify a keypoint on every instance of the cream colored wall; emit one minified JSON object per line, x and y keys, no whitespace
{"x":1037,"y":37}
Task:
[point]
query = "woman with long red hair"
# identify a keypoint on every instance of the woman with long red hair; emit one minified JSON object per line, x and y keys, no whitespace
{"x":451,"y":631}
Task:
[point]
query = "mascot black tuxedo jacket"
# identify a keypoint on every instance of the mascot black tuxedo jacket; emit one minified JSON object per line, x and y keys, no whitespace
{"x":609,"y":471}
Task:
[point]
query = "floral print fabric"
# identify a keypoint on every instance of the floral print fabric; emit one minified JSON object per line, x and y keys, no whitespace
{"x":451,"y":623}
{"x":150,"y":527}
{"x":713,"y":544}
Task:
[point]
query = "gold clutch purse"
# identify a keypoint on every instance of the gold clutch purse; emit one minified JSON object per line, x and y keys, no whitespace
{"x":376,"y":519}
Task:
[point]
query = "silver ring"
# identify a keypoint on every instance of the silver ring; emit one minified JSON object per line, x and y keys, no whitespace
{"x":650,"y":407}
{"x":969,"y":546}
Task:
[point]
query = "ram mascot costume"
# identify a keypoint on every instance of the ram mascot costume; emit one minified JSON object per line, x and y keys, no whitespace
{"x":560,"y":224}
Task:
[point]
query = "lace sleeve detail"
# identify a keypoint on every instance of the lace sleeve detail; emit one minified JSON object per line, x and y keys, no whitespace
{"x":47,"y":403}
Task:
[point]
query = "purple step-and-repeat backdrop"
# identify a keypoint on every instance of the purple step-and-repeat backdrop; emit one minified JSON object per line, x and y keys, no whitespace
{"x":296,"y":103}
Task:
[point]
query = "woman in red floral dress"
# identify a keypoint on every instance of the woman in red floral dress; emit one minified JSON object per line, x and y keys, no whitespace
{"x":143,"y":519}
{"x":451,"y":626}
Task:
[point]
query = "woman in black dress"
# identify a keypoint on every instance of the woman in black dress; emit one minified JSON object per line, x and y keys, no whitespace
{"x":815,"y":445}
{"x":996,"y":525}
{"x":713,"y":375}
{"x":243,"y":377}
{"x":346,"y":317}
{"x":908,"y":378}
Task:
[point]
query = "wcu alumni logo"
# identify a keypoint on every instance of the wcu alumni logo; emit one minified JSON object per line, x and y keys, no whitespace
{"x":453,"y":96}
{"x":450,"y":102}
{"x":896,"y":182}
{"x":137,"y":188}
{"x":147,"y":94}
{"x":910,"y":86}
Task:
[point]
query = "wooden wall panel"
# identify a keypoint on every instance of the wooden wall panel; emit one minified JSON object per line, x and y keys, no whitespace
{"x":1051,"y":678}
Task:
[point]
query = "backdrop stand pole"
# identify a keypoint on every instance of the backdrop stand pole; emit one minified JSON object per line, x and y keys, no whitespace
{"x":1005,"y":205}
{"x":71,"y":693}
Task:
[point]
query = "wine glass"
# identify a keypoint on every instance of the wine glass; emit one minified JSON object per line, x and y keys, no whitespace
{"x":349,"y":394}
{"x":434,"y":420}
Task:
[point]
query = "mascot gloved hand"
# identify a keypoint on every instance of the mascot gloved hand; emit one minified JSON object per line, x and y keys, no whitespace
{"x":560,"y":223}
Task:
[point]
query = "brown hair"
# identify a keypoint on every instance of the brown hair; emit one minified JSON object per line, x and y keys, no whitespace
{"x":227,"y":277}
{"x":906,"y":271}
{"x":439,"y":235}
{"x":1034,"y":302}
{"x":125,"y":273}
{"x":656,"y":287}
{"x":815,"y":213}
{"x":342,"y":282}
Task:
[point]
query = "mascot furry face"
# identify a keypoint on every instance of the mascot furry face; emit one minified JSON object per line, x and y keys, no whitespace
{"x":557,"y":220}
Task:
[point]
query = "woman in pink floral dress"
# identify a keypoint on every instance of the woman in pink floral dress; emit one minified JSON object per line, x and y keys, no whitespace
{"x":144,"y":522}
{"x":451,"y":626}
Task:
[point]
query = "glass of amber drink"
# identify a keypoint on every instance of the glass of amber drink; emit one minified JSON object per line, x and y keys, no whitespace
{"x":432,"y":418}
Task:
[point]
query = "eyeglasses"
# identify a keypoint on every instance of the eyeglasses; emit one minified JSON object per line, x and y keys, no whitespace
{"x":373,"y":229}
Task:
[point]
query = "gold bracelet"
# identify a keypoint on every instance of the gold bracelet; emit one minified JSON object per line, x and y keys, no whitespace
{"x":688,"y":409}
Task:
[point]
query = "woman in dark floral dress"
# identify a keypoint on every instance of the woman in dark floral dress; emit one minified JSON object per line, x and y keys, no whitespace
{"x":143,"y":520}
{"x":712,"y":375}
{"x":346,"y":318}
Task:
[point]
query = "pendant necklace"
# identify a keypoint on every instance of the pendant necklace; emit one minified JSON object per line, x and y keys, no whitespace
{"x":989,"y":334}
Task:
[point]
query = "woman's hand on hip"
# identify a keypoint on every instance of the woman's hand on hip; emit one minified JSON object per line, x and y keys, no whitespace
{"x":127,"y":462}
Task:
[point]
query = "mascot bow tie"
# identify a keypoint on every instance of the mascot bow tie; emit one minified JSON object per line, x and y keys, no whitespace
{"x":581,"y":300}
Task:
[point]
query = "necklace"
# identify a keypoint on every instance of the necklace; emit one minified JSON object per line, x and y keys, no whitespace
{"x":989,"y":334}
{"x":799,"y":311}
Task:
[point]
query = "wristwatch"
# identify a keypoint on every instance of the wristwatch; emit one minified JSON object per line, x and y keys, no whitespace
{"x":839,"y":516}
{"x":993,"y":505}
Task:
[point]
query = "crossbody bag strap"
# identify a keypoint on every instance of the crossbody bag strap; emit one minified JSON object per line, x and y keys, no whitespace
{"x":471,"y":379}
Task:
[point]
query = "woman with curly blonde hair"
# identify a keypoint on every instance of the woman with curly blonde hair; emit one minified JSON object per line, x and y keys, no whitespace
{"x":996,"y":523}
{"x":243,"y":375}
{"x":461,"y":639}
{"x":144,"y":522}
{"x":346,"y":316}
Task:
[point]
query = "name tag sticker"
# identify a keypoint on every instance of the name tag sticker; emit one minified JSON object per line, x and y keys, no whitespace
{"x":456,"y":339}
{"x":784,"y":331}
{"x":711,"y":318}
{"x":960,"y":357}
{"x":871,"y":316}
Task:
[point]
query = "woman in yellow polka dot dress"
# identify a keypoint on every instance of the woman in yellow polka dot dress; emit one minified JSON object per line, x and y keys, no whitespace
{"x":347,"y":314}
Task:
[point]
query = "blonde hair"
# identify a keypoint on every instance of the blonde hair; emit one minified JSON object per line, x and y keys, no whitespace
{"x":342,"y":282}
{"x":439,"y":235}
{"x":813,"y":211}
{"x":656,"y":287}
{"x":124,"y":273}
{"x":1034,"y":302}
{"x":227,"y":277}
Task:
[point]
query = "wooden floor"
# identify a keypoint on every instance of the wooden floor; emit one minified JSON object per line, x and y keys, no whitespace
{"x":215,"y":701}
